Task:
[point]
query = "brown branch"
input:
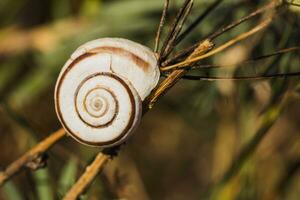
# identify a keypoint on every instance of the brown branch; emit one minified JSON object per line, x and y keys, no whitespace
{"x":173,"y":78}
{"x":32,"y":157}
{"x":87,"y":177}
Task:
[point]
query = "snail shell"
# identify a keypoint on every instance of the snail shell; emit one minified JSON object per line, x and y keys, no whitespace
{"x":99,"y":92}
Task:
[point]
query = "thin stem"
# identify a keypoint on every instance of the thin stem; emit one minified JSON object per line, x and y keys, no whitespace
{"x":223,"y":30}
{"x":31,"y":156}
{"x":243,"y":63}
{"x":174,"y":77}
{"x":242,"y":36}
{"x":172,"y":42}
{"x":198,"y":20}
{"x":282,"y":51}
{"x":237,"y":78}
{"x":87,"y":177}
{"x":161,"y":25}
{"x":271,"y":5}
{"x":174,"y":27}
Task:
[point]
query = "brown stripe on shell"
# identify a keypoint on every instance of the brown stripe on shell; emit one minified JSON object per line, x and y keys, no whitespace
{"x":144,"y":65}
{"x":57,"y":106}
{"x":58,"y":86}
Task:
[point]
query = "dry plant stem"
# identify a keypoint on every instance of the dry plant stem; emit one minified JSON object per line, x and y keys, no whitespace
{"x":269,"y":6}
{"x":172,"y":42}
{"x":30,"y":156}
{"x":196,"y":23}
{"x":87,"y":177}
{"x":243,"y":36}
{"x":172,"y":79}
{"x":174,"y":30}
{"x":273,"y":4}
{"x":198,"y":20}
{"x":161,"y":25}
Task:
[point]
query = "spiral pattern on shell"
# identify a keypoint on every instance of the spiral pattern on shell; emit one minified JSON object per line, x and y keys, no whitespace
{"x":98,"y":94}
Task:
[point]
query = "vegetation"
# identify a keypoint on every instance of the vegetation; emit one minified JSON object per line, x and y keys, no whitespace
{"x":227,"y":130}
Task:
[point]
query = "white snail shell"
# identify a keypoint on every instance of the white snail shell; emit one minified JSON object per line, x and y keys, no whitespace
{"x":99,"y":91}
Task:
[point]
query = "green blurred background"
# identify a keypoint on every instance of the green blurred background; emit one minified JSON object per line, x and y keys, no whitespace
{"x":187,"y":143}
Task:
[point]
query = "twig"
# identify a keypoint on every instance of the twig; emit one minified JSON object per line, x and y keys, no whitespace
{"x":242,"y":36}
{"x":238,"y":78}
{"x":282,"y":51}
{"x":172,"y":42}
{"x":244,"y":63}
{"x":87,"y":177}
{"x":175,"y":28}
{"x":161,"y":25}
{"x":198,"y":20}
{"x":273,"y":4}
{"x":171,"y":80}
{"x":31,"y":156}
{"x":269,"y":6}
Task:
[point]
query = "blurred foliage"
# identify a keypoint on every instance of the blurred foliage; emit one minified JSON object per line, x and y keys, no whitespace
{"x":190,"y":139}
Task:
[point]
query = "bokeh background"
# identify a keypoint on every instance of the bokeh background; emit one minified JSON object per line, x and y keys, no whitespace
{"x":192,"y":136}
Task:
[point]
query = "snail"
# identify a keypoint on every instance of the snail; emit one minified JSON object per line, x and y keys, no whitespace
{"x":100,"y":89}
